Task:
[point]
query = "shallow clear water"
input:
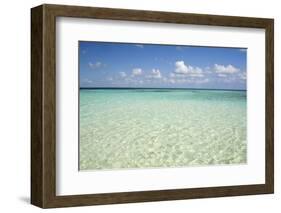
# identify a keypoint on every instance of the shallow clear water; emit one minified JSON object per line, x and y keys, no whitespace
{"x":145,"y":128}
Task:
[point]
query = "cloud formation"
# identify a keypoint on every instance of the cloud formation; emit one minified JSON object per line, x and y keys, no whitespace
{"x":243,"y":76}
{"x":155,"y":73}
{"x":182,"y":74}
{"x":229,"y":69}
{"x":96,"y":65}
{"x":222,"y":75}
{"x":136,"y":71}
{"x":185,"y":69}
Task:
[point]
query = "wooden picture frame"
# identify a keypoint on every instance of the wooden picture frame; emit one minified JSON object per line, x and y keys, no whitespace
{"x":43,"y":105}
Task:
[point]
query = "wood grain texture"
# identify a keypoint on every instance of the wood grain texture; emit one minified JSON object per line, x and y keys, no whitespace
{"x":36,"y":106}
{"x":43,"y":105}
{"x":269,"y":115}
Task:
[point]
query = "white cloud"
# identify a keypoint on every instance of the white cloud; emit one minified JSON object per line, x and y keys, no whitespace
{"x":222,"y":75}
{"x":155,"y":73}
{"x":96,"y":65}
{"x":229,"y":69}
{"x":185,"y":69}
{"x":122,"y":74}
{"x":136,"y":71}
{"x":199,"y":74}
{"x":172,"y":81}
{"x":188,"y":80}
{"x":139,"y":45}
{"x":243,"y":76}
{"x":181,"y":67}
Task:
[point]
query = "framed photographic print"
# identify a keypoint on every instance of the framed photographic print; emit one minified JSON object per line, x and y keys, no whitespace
{"x":136,"y":106}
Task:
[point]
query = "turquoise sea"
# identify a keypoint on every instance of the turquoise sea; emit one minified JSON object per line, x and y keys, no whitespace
{"x":151,"y":128}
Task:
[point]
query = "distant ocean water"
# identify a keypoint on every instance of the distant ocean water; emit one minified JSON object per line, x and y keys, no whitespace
{"x":148,"y":128}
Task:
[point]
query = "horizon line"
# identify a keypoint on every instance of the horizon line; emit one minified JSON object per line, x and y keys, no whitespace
{"x":180,"y":88}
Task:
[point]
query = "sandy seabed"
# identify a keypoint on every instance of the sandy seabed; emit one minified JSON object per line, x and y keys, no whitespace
{"x":121,"y":129}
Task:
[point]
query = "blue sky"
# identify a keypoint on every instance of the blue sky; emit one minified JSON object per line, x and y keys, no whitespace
{"x":104,"y":64}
